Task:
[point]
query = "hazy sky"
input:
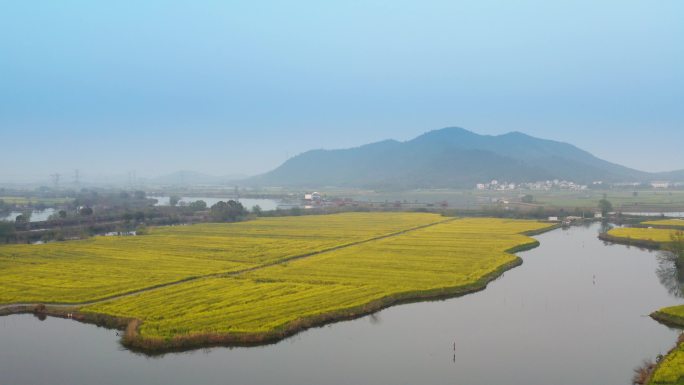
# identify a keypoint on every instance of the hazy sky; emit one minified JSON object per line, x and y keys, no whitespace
{"x":229,"y":87}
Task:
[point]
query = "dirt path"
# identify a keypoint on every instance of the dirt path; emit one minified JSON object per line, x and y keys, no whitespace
{"x":8,"y":307}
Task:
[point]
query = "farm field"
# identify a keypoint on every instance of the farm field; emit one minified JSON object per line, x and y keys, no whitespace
{"x":100,"y":267}
{"x":669,"y":372}
{"x":641,"y":233}
{"x":35,"y":200}
{"x":623,"y":200}
{"x":674,"y":223}
{"x":660,"y":232}
{"x":445,"y":259}
{"x":645,"y":200}
{"x":674,"y":311}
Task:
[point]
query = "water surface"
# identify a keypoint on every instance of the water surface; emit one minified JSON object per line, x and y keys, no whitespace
{"x":573,"y":313}
{"x":36,"y":215}
{"x":248,"y":203}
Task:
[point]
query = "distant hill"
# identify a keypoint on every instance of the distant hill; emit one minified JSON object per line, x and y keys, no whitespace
{"x":449,"y":157}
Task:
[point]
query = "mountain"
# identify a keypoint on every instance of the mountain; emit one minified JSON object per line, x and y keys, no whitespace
{"x":449,"y":157}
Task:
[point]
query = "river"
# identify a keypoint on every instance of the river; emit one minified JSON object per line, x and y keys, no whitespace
{"x":574,"y":313}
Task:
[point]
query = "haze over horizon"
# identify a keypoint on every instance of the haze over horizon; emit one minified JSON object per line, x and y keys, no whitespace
{"x":239,"y":88}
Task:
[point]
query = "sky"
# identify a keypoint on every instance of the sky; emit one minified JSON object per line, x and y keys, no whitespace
{"x":237,"y":87}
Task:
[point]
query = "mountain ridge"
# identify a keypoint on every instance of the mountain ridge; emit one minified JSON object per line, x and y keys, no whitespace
{"x":450,"y":157}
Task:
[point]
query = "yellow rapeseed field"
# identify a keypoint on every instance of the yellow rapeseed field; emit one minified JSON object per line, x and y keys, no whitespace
{"x":674,"y":223}
{"x":670,"y":370}
{"x":451,"y":255}
{"x":91,"y":269}
{"x":641,"y":233}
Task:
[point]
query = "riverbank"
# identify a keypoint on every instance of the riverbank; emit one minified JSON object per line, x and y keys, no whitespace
{"x":328,"y":303}
{"x":629,"y":241}
{"x":134,"y":341}
{"x":411,"y":343}
{"x":673,"y":316}
{"x":668,"y":371}
{"x":669,"y":368}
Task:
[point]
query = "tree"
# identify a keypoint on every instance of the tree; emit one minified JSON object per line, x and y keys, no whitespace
{"x":173,"y":200}
{"x":85,"y":211}
{"x":6,"y":231}
{"x":527,"y":198}
{"x":141,"y":230}
{"x":198,"y":205}
{"x":605,"y":206}
{"x":676,"y":247}
{"x":62,"y":214}
{"x":256,"y":209}
{"x":227,"y":211}
{"x":23,"y":217}
{"x":139,"y":216}
{"x":139,"y":194}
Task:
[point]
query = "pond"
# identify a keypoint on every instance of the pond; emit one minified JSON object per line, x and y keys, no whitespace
{"x":36,"y":215}
{"x":574,"y":313}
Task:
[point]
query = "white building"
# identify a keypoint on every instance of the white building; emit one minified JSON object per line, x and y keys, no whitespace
{"x":660,"y":184}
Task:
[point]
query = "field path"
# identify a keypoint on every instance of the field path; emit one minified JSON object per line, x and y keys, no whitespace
{"x":9,"y":307}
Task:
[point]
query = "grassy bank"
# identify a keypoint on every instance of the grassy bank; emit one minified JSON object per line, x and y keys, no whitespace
{"x":626,"y":239}
{"x":673,"y":315}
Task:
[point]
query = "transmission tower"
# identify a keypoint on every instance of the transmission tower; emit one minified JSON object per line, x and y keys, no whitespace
{"x":55,"y":179}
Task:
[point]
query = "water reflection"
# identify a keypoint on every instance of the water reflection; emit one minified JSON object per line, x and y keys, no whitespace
{"x":671,"y":277}
{"x":604,"y":227}
{"x":375,"y":318}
